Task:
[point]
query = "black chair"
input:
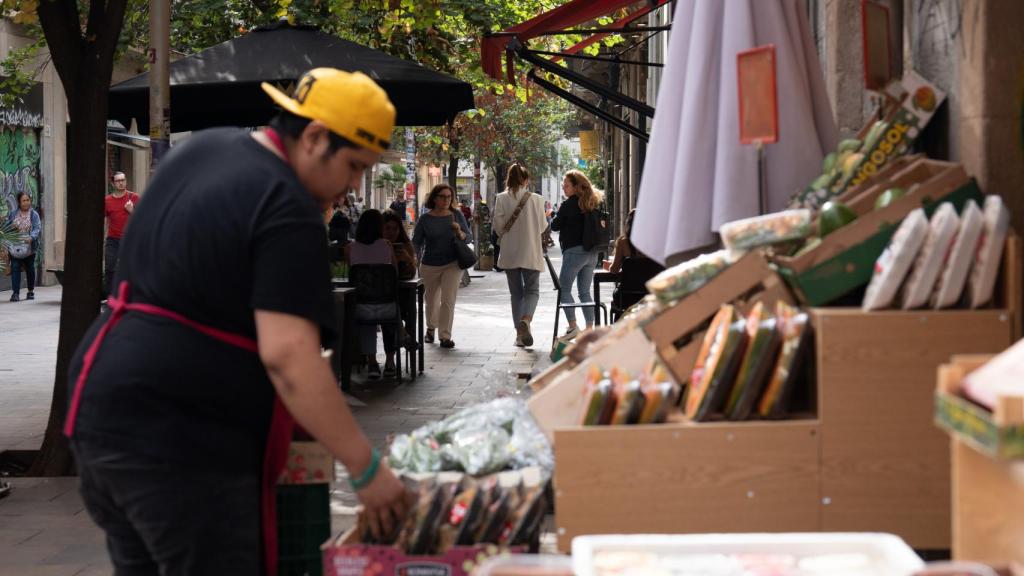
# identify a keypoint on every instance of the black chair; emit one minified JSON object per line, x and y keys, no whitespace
{"x":376,"y":292}
{"x":632,"y":286}
{"x":559,"y":305}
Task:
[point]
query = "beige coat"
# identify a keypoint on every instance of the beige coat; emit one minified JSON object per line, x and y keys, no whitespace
{"x":521,"y":246}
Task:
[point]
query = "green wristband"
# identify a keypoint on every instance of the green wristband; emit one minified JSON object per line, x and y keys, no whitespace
{"x":367,"y":476}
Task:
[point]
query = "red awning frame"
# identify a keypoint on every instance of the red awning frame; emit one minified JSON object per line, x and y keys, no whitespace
{"x":560,"y":19}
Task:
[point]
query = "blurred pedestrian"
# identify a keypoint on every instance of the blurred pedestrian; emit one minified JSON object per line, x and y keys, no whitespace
{"x":370,"y":247}
{"x":519,"y":223}
{"x":26,"y":223}
{"x":434,"y":236}
{"x":117,"y":207}
{"x":578,"y":261}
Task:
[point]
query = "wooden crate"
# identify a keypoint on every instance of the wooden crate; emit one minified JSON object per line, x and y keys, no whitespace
{"x":988,"y":497}
{"x":677,"y":332}
{"x":885,"y":466}
{"x":681,"y":477}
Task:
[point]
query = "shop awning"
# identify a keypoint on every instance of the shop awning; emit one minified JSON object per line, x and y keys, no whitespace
{"x":514,"y":42}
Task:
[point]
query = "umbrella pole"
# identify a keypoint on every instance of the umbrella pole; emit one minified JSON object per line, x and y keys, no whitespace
{"x":762,"y":185}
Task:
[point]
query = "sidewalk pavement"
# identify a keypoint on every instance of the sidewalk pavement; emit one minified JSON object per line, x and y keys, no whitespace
{"x":44,"y":529}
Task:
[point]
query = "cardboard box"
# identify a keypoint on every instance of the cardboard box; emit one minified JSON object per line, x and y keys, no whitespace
{"x":845,"y":259}
{"x":910,"y":104}
{"x":884,"y":464}
{"x":677,"y":331}
{"x":998,"y":434}
{"x":308,"y":463}
{"x":348,"y":557}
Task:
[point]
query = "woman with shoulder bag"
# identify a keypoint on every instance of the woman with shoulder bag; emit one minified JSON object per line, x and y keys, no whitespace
{"x":435,"y":235}
{"x":519,"y":222}
{"x":24,"y":221}
{"x":578,"y":259}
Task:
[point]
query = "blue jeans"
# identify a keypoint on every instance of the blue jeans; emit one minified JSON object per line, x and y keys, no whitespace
{"x":28,"y":264}
{"x":578,"y":266}
{"x":524,"y":287}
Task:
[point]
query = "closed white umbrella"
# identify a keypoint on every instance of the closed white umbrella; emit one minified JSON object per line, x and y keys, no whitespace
{"x":697,"y":176}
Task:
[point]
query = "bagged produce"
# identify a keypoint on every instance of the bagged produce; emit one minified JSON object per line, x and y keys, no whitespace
{"x":793,"y":326}
{"x":630,"y":404}
{"x":925,"y":272}
{"x":680,"y":280}
{"x":954,"y":275}
{"x":982,"y":281}
{"x":894,"y":263}
{"x":766,"y":230}
{"x":762,"y":350}
{"x":716,"y":365}
{"x":481,"y":439}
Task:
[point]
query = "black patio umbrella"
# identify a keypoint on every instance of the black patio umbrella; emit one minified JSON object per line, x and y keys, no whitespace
{"x":220,"y":86}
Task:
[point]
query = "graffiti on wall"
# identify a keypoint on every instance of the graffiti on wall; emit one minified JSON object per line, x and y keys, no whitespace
{"x":19,"y":166}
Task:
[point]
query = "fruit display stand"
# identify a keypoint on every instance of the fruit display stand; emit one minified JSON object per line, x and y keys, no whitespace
{"x":985,"y":484}
{"x":863,"y":456}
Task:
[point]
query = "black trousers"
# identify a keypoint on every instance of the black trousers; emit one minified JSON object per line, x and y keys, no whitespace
{"x":170,"y":519}
{"x":112,"y":247}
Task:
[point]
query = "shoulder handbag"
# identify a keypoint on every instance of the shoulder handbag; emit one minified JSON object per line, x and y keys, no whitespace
{"x":463,"y":253}
{"x":515,"y":214}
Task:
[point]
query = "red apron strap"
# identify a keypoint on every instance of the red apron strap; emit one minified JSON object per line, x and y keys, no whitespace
{"x":278,"y":440}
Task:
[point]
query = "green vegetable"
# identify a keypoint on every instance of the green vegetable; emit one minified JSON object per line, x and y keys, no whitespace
{"x":833,"y":216}
{"x":888,"y":197}
{"x":850,"y":145}
{"x":829,"y":163}
{"x":877,"y":130}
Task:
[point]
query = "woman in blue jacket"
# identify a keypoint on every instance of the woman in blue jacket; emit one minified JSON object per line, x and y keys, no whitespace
{"x":26,"y":223}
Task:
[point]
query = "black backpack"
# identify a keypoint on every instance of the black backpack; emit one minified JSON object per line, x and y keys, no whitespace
{"x":597,"y":228}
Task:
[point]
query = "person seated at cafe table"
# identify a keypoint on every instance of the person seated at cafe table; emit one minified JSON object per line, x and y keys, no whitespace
{"x":370,"y":247}
{"x":405,"y":256}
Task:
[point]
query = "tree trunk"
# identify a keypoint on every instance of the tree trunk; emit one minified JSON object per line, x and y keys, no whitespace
{"x":85,"y":66}
{"x":80,"y":300}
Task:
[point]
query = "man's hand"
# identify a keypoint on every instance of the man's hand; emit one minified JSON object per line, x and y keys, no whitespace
{"x":384,"y":503}
{"x":129,"y":206}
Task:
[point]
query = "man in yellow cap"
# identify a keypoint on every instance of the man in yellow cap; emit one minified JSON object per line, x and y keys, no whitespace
{"x":184,"y":393}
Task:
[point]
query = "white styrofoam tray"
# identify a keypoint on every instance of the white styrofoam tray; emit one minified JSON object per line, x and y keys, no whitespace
{"x":890,"y":554}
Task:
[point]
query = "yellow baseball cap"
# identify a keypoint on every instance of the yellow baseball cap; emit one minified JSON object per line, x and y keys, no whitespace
{"x":350,"y":104}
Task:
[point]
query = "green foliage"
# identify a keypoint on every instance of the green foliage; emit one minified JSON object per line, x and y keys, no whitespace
{"x":393,"y":176}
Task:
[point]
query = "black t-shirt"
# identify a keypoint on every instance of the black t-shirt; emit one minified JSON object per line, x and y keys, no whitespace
{"x":568,"y":223}
{"x":224,"y":228}
{"x":398,"y":207}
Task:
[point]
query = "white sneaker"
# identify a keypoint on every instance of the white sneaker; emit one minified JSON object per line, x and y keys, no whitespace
{"x":525,"y":336}
{"x":519,"y":342}
{"x":571,"y":333}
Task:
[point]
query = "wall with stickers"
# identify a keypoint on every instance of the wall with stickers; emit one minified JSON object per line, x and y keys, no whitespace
{"x":20,"y":127}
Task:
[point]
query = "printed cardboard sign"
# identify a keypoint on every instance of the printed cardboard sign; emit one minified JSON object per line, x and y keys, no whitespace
{"x":759,"y":110}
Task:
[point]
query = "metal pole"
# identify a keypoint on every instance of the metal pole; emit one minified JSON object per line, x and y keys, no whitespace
{"x":762,"y":185}
{"x":159,"y":80}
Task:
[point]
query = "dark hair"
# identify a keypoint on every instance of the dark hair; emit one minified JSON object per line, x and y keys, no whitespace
{"x":291,"y":126}
{"x":629,"y":231}
{"x":17,"y":198}
{"x":517,"y":176}
{"x":392,"y":216}
{"x":437,"y":190}
{"x":370,"y":227}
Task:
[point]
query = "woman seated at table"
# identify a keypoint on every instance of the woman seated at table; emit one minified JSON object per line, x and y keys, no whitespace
{"x":405,"y":256}
{"x":634,"y":269}
{"x":370,"y":247}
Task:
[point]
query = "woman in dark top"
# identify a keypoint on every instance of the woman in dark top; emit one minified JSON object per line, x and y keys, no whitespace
{"x":578,"y":263}
{"x":439,"y":265}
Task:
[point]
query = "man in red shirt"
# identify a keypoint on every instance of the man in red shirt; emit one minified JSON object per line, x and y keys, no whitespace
{"x":118,"y":207}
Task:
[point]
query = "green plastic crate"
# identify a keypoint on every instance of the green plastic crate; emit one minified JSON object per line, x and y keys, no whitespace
{"x":303,"y":524}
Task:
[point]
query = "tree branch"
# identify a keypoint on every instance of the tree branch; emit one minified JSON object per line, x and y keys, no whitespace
{"x":111,"y":25}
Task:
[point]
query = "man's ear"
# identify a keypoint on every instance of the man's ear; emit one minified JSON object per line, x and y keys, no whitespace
{"x":315,"y":139}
